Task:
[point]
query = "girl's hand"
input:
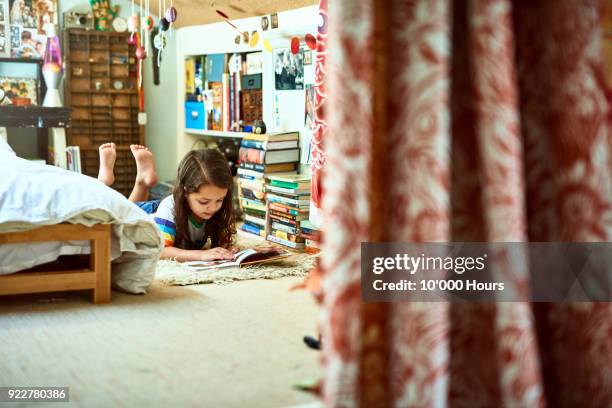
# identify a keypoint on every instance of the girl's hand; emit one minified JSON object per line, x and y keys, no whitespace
{"x":215,"y":254}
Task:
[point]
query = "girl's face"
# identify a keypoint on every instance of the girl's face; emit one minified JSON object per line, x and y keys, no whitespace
{"x":205,"y":202}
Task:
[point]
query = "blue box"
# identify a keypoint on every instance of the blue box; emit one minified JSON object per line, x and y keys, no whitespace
{"x":195,"y":115}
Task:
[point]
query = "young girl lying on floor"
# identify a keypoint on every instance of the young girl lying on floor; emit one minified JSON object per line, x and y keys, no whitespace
{"x":203,"y":194}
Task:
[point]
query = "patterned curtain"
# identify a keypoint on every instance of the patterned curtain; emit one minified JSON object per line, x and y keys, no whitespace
{"x":464,"y":120}
{"x":320,"y":125}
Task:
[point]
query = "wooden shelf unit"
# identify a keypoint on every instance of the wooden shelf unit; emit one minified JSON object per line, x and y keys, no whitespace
{"x":95,"y":60}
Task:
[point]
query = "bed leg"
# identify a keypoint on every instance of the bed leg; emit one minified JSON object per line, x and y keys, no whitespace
{"x":100,"y":263}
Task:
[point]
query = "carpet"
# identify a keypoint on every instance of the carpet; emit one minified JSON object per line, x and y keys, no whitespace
{"x":175,"y":273}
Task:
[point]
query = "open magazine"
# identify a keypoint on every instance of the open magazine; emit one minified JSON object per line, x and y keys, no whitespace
{"x":245,"y":257}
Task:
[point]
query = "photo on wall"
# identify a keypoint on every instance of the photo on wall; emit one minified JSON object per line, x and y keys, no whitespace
{"x":3,"y":40}
{"x":288,"y":69}
{"x":33,"y":14}
{"x":18,"y":91}
{"x":28,"y":43}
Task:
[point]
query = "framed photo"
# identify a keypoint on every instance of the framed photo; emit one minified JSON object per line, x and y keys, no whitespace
{"x":274,"y":20}
{"x":18,"y":91}
{"x":5,"y":49}
{"x":288,"y":69}
{"x":27,"y":20}
{"x":21,"y":81}
{"x":33,"y":14}
{"x":307,"y":57}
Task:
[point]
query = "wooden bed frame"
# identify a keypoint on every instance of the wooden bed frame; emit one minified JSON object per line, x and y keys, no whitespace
{"x":96,"y":278}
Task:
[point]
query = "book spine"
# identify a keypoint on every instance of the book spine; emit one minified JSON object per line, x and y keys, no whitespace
{"x":254,"y":205}
{"x":251,"y":156}
{"x":252,"y":166}
{"x":283,"y":220}
{"x":252,"y":184}
{"x":253,"y":230}
{"x":255,"y":220}
{"x":249,"y":174}
{"x":284,"y":200}
{"x":281,"y":208}
{"x":282,"y":227}
{"x":281,"y":241}
{"x":252,"y":194}
{"x":288,"y":216}
{"x":253,"y":144}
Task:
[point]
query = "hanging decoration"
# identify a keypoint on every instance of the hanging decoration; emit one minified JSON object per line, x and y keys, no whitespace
{"x":146,"y":25}
{"x":159,"y":41}
{"x":267,"y":45}
{"x":141,"y":54}
{"x":254,"y":39}
{"x":295,"y":45}
{"x":311,"y":41}
{"x":133,"y":23}
{"x":171,"y":14}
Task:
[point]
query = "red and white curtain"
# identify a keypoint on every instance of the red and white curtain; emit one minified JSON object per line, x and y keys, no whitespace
{"x":464,"y":120}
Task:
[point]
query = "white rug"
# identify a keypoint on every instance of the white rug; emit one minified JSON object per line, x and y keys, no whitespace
{"x":174,"y":273}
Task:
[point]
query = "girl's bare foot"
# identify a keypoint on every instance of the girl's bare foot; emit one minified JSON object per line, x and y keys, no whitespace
{"x":145,"y":166}
{"x":108,"y":155}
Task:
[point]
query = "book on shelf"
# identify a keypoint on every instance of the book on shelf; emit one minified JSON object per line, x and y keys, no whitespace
{"x":217,"y":105}
{"x":273,"y":145}
{"x":256,"y":156}
{"x":73,"y":158}
{"x":250,"y":256}
{"x":269,"y":137}
{"x":269,"y":168}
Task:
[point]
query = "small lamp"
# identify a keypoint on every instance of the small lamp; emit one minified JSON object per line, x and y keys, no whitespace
{"x":52,"y":68}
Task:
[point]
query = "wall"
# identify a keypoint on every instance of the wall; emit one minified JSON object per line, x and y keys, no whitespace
{"x":219,"y":38}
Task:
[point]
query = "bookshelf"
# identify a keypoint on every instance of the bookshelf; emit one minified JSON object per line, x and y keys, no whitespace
{"x":101,"y":89}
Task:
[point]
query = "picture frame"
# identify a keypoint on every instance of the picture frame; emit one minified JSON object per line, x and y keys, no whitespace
{"x":5,"y":36}
{"x":274,"y":20}
{"x":307,"y":57}
{"x":288,"y":69}
{"x":21,"y":81}
{"x":27,"y":22}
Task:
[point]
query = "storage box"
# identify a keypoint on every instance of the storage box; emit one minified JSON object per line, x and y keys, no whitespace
{"x":195,"y":115}
{"x":251,"y":81}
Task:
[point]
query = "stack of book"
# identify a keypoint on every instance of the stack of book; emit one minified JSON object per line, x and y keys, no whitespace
{"x":312,"y":237}
{"x":288,"y":206}
{"x":259,"y":156}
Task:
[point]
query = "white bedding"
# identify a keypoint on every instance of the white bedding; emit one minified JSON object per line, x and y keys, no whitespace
{"x":32,"y":195}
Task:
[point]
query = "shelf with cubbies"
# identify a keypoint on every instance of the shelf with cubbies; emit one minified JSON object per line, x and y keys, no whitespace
{"x":101,"y":89}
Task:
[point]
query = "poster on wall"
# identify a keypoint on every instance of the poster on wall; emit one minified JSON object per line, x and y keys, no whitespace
{"x":27,"y":19}
{"x":4,"y":29}
{"x":18,"y":91}
{"x":288,"y":69}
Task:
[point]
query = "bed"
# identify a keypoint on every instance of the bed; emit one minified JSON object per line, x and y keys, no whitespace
{"x":47,"y":213}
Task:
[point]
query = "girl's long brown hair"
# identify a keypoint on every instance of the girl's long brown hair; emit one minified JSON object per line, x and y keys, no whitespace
{"x":201,"y":167}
